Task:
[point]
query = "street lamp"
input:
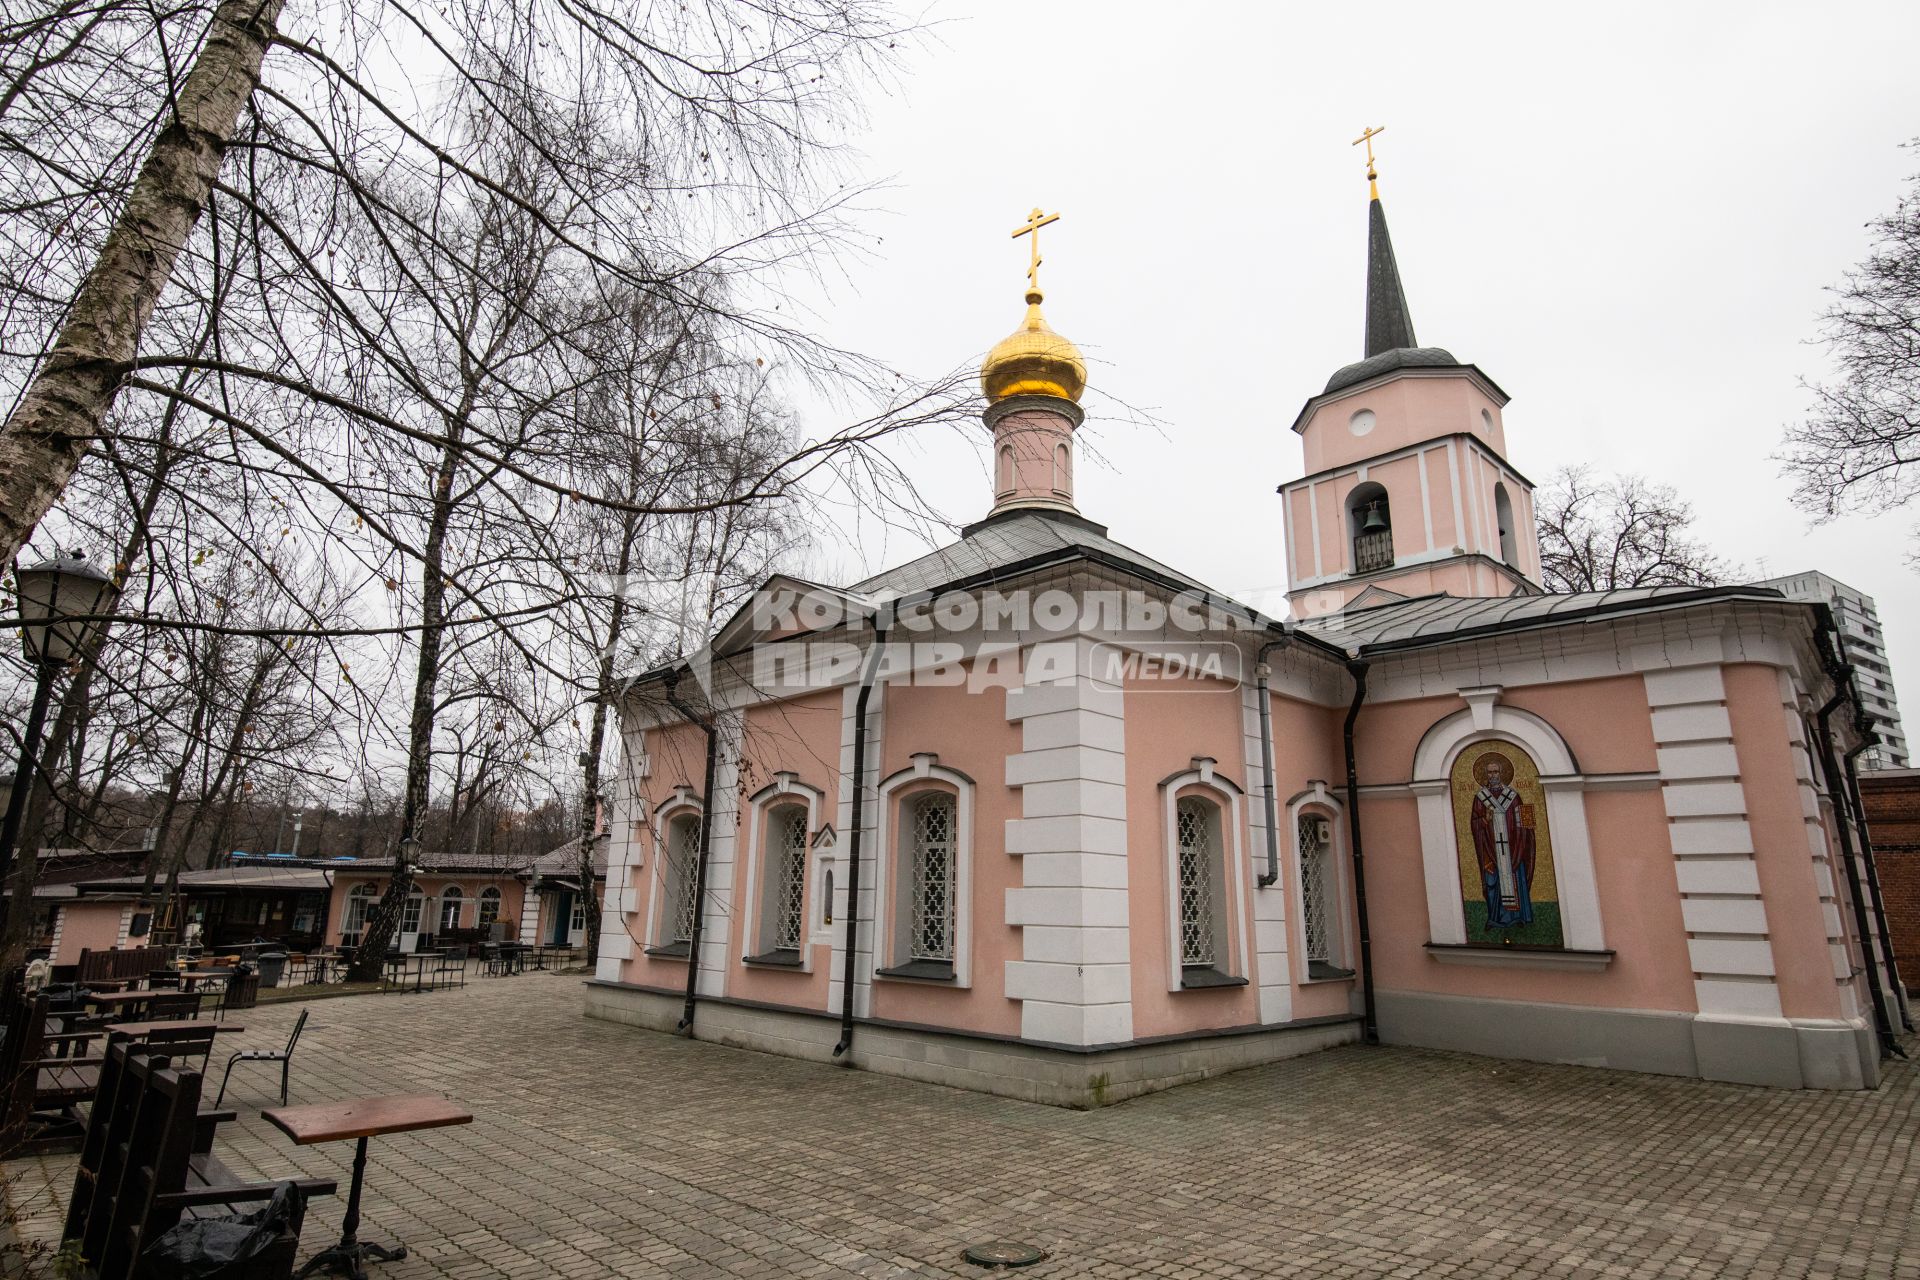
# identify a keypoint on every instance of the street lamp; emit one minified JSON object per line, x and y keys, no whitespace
{"x":59,"y":601}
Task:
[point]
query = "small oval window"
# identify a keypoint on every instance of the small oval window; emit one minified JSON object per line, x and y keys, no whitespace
{"x":1361,"y":422}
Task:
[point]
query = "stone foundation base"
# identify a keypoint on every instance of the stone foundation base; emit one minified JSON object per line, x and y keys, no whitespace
{"x":1779,"y":1052}
{"x":1012,"y":1069}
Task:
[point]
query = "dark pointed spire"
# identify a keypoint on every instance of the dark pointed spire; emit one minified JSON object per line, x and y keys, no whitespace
{"x":1389,"y":324}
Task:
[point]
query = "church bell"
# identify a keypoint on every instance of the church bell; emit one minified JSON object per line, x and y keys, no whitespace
{"x":1375,"y":522}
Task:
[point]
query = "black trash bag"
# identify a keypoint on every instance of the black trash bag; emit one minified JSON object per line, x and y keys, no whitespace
{"x":229,"y":1248}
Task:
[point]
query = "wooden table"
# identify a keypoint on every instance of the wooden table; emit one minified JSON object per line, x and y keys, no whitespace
{"x":135,"y":1030}
{"x":360,"y":1119}
{"x":112,"y":1000}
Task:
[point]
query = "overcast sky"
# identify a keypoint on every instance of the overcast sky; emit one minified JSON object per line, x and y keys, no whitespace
{"x":1625,"y":214}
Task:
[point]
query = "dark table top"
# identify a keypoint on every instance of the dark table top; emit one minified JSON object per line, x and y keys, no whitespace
{"x":110,"y":999}
{"x":169,"y":1024}
{"x":365,"y":1117}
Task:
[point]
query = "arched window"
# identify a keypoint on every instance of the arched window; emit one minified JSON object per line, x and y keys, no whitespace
{"x":1503,"y":513}
{"x":359,"y":898}
{"x":931,"y":878}
{"x":1202,"y":917}
{"x":450,"y":905}
{"x":489,"y":906}
{"x":1005,"y":482}
{"x":1321,"y":915}
{"x":1203,"y":824}
{"x":410,"y":912}
{"x":783,"y":884}
{"x":1370,"y":524}
{"x":1062,"y":470}
{"x":925,"y":872}
{"x":679,"y":887}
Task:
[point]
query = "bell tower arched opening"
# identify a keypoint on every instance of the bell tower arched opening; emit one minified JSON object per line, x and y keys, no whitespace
{"x":1370,"y":527}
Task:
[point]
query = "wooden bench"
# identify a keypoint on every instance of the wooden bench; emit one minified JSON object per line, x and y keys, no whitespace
{"x":43,"y":1076}
{"x":147,"y":1160}
{"x":129,"y":964}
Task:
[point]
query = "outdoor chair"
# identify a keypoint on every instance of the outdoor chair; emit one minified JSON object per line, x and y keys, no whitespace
{"x":451,"y":968}
{"x":183,"y":1045}
{"x":169,"y":1008}
{"x":490,"y":958}
{"x":282,"y":1056}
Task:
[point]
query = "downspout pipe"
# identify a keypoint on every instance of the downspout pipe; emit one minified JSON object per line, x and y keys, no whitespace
{"x":1370,"y":1021}
{"x":868,"y":672}
{"x":1873,"y":883}
{"x":1836,"y":788}
{"x":706,"y":842}
{"x":1261,"y":671}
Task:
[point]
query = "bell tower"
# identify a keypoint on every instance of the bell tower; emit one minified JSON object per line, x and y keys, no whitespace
{"x":1407,"y":490}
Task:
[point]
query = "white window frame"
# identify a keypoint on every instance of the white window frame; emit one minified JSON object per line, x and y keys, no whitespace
{"x":786,"y":789}
{"x":1340,"y":883}
{"x":359,"y":899}
{"x":1204,"y":779}
{"x":490,"y":894}
{"x":451,"y":894}
{"x":1565,"y":789}
{"x":925,"y":773}
{"x":684,"y":804}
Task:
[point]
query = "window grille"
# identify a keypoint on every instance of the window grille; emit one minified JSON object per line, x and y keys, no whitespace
{"x":450,"y":905}
{"x":1197,"y":859}
{"x":1315,"y":891}
{"x":789,"y":870}
{"x":1373,"y":551}
{"x":930,"y":935}
{"x":577,"y":920}
{"x":410,"y":913}
{"x":685,"y":868}
{"x":489,"y":906}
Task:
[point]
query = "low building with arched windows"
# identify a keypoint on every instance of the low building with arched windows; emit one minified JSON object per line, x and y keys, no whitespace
{"x":1039,"y":815}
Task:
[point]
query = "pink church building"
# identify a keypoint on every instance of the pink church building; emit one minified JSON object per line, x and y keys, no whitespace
{"x":1038,"y":815}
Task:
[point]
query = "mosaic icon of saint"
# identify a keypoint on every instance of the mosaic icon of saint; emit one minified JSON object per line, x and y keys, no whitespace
{"x":1503,"y":843}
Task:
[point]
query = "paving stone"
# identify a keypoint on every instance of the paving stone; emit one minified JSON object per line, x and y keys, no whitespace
{"x":604,"y":1150}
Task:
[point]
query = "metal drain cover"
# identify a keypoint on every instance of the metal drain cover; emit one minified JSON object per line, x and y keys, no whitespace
{"x":1002,"y":1253}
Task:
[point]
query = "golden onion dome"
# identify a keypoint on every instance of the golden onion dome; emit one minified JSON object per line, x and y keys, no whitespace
{"x":1033,"y":360}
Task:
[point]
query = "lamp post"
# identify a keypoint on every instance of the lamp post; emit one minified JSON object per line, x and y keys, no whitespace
{"x":58,"y":601}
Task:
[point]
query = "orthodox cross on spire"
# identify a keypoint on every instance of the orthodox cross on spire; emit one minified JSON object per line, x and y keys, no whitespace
{"x":1034,"y":222}
{"x":1373,"y":178}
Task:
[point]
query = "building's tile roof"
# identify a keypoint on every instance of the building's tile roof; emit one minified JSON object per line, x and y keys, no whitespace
{"x":1439,"y":618}
{"x":1001,"y":543}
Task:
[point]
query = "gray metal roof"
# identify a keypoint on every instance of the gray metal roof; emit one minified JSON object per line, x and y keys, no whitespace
{"x":1438,"y":619}
{"x":1387,"y":361}
{"x":1005,"y":542}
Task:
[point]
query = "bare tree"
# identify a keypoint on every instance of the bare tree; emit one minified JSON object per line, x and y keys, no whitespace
{"x":1621,"y":531}
{"x":1856,"y":450}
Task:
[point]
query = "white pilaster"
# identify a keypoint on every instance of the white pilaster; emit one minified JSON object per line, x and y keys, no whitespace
{"x":1074,"y":977}
{"x":1720,"y":902}
{"x":1272,"y":969}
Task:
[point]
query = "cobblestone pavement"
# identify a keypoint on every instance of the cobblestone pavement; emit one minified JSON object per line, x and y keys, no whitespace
{"x":602,"y":1150}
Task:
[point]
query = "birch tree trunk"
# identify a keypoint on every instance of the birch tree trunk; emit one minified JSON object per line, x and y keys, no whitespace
{"x":63,"y":407}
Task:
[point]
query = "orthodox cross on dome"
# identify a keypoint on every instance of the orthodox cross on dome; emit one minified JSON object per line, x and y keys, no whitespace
{"x":1034,"y":222}
{"x":1373,"y":178}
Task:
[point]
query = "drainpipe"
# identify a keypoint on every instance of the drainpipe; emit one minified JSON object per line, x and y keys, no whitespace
{"x":1873,"y":885}
{"x":706,"y":842}
{"x":868,"y":671}
{"x":1261,"y":671}
{"x":1370,"y":1023}
{"x":1830,"y":764}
